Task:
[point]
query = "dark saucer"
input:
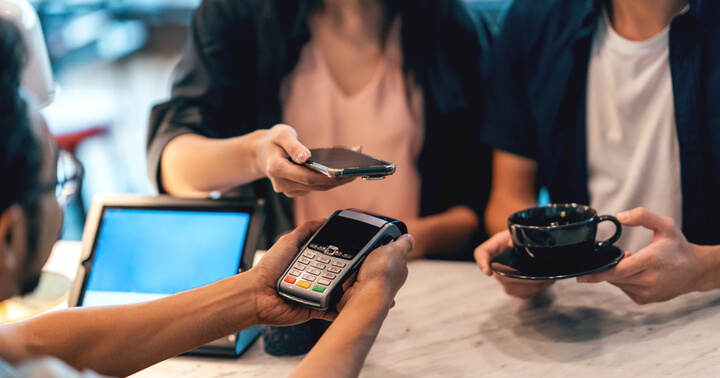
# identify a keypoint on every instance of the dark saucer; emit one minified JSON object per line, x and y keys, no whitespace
{"x":516,"y":264}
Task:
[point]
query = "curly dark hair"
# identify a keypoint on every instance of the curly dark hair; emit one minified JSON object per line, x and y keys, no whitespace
{"x":20,"y":153}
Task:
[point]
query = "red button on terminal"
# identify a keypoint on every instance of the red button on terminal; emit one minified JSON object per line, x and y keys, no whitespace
{"x":290,"y":280}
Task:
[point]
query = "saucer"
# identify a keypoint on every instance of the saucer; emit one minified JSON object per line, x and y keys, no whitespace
{"x":516,"y":264}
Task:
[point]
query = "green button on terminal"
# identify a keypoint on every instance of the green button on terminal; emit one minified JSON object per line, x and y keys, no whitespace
{"x":319,"y":289}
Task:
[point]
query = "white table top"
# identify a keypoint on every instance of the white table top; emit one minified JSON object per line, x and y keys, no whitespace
{"x":452,"y":321}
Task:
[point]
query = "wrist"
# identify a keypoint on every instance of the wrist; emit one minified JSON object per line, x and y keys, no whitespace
{"x":254,"y":291}
{"x":709,"y":262}
{"x":372,"y":299}
{"x":253,"y":156}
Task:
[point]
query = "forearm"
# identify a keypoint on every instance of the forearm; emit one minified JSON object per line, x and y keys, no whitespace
{"x":709,"y":278}
{"x":121,"y":340}
{"x":513,"y":189}
{"x":447,"y":231}
{"x":342,"y":350}
{"x":193,"y":165}
{"x":500,"y":208}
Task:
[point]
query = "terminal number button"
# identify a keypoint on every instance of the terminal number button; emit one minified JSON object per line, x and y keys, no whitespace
{"x":294,"y":272}
{"x":333,"y":269}
{"x":339,"y":264}
{"x":303,"y":260}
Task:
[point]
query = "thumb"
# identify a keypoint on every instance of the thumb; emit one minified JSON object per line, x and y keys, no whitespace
{"x":641,"y":216}
{"x":287,"y":139}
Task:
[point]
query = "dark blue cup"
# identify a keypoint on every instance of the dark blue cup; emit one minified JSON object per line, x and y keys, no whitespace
{"x":559,"y":232}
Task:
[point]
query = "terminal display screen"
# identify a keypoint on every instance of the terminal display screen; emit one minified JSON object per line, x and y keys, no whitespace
{"x":349,"y":235}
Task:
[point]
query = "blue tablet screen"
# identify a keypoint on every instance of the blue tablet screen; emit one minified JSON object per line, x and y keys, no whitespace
{"x":145,"y":254}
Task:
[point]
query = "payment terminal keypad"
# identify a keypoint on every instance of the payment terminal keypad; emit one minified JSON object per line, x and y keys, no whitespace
{"x":318,"y":265}
{"x":318,"y":261}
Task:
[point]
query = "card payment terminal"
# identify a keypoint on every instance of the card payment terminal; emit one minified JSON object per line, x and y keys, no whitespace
{"x":316,"y":275}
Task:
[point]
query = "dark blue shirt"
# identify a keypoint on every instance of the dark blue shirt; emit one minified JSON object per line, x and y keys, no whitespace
{"x":536,"y":90}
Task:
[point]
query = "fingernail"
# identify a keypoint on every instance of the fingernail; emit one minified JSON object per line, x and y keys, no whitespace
{"x":582,"y":279}
{"x":624,"y":216}
{"x":303,"y":156}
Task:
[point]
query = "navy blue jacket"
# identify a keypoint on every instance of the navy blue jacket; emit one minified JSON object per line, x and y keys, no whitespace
{"x":536,"y":102}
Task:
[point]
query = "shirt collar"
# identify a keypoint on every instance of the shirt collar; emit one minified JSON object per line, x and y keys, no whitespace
{"x":593,"y":9}
{"x":695,"y":11}
{"x":587,"y":21}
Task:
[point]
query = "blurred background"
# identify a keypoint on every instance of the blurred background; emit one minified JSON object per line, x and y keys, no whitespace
{"x":113,"y":60}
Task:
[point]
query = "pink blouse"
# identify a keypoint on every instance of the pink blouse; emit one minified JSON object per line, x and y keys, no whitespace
{"x":379,"y":118}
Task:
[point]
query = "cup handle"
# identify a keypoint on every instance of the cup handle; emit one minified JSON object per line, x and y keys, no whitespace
{"x":614,"y":238}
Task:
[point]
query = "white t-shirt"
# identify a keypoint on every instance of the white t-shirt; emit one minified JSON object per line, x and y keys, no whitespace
{"x":633,"y":153}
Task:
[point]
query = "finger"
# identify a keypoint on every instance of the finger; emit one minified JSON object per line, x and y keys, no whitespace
{"x":392,"y":304}
{"x":404,"y":244}
{"x":287,"y":187}
{"x":282,"y":169}
{"x":641,"y":216}
{"x":523,"y":289}
{"x":629,"y":266}
{"x":296,"y":193}
{"x":281,"y":185}
{"x":287,"y":139}
{"x":494,"y":246}
{"x":350,"y":281}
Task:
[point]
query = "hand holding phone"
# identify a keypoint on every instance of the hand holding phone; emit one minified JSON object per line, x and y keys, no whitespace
{"x":340,"y":162}
{"x":280,"y":158}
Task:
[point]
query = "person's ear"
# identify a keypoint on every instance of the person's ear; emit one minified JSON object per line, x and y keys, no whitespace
{"x":11,"y":228}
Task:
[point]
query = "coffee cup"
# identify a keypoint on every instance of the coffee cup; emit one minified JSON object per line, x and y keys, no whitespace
{"x":559,"y":232}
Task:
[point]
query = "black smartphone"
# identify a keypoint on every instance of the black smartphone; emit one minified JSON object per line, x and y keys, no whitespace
{"x":340,"y":162}
{"x":315,"y":277}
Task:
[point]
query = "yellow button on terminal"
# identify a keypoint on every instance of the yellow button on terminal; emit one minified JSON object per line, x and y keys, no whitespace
{"x":303,"y":284}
